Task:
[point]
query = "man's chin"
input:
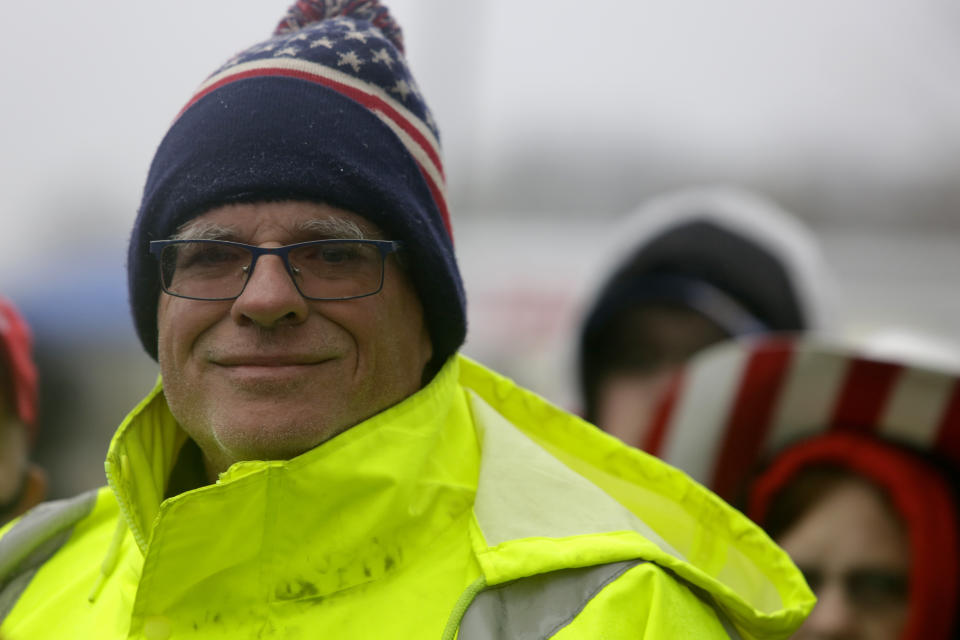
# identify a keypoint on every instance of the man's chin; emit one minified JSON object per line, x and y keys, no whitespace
{"x":269,"y":441}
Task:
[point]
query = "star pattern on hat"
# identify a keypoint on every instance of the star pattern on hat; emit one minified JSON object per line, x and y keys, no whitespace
{"x":350,"y":58}
{"x":383,"y":55}
{"x":402,"y":88}
{"x":359,"y":49}
{"x":266,"y":47}
{"x":357,"y":35}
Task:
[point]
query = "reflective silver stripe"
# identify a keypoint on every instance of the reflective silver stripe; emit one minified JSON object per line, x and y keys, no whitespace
{"x":539,"y":606}
{"x":33,"y":540}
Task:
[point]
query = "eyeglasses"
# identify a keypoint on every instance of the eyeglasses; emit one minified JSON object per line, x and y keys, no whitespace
{"x":320,"y":269}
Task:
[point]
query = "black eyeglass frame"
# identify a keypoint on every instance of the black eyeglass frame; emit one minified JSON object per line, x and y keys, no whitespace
{"x":385,"y":247}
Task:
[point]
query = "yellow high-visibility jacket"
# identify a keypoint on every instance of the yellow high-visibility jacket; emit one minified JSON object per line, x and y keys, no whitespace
{"x":472,"y":510}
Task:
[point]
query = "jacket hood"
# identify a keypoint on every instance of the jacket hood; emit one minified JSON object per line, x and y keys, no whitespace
{"x":583,"y":486}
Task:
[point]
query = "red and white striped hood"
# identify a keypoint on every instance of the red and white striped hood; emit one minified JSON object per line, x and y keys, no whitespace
{"x":735,"y":404}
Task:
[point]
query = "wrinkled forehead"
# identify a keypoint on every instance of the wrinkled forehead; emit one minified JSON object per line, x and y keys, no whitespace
{"x":289,"y":221}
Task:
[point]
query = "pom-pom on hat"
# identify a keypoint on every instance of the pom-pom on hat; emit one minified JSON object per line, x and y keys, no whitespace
{"x":15,"y":356}
{"x":326,"y":110}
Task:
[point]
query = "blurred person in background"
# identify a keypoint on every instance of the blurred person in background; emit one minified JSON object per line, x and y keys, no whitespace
{"x":692,"y":268}
{"x":317,"y":459}
{"x":847,"y":459}
{"x":22,"y":484}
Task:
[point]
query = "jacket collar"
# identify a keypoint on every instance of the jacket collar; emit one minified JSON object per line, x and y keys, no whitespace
{"x":406,"y":470}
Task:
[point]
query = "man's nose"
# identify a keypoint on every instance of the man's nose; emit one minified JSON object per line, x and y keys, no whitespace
{"x":270,"y":297}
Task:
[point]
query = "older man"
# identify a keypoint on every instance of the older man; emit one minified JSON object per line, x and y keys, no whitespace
{"x":318,"y":461}
{"x":22,"y":484}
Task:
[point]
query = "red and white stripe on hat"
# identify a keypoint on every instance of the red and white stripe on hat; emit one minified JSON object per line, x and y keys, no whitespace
{"x":736,"y":403}
{"x":416,"y":136}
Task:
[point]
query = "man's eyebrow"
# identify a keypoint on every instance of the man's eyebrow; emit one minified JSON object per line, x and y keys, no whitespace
{"x":323,"y":228}
{"x":199,"y":230}
{"x":332,"y":228}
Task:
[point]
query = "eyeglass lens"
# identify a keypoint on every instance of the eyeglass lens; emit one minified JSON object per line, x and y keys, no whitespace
{"x":328,"y":269}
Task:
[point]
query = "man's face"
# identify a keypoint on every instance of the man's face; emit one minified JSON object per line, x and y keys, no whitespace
{"x":271,"y":374}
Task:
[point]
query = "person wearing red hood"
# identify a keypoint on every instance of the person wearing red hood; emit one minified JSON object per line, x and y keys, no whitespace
{"x":22,"y":484}
{"x":848,"y":461}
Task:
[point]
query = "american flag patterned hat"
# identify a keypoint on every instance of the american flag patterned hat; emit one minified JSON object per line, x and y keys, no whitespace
{"x":325,"y":110}
{"x":736,"y":404}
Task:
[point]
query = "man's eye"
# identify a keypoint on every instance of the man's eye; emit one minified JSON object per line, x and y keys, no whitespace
{"x":329,"y":255}
{"x":338,"y":254}
{"x":208,"y":256}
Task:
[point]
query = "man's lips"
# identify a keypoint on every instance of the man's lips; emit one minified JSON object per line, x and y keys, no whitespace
{"x":265,"y":360}
{"x":261,"y":373}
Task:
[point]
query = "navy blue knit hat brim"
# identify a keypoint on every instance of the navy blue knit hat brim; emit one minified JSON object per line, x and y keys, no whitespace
{"x":272,"y":138}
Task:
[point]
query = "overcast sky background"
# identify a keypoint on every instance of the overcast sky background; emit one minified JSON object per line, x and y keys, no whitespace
{"x":721,"y":89}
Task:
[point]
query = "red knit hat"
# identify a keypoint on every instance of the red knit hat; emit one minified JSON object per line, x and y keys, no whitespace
{"x":800,"y":402}
{"x":15,"y":350}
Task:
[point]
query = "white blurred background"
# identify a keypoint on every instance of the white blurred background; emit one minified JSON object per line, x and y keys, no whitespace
{"x":558,"y":118}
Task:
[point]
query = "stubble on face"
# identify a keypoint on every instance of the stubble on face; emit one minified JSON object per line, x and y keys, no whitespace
{"x":342,"y":361}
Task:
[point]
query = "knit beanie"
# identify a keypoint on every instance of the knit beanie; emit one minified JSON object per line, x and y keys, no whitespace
{"x":15,"y":356}
{"x":326,"y":110}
